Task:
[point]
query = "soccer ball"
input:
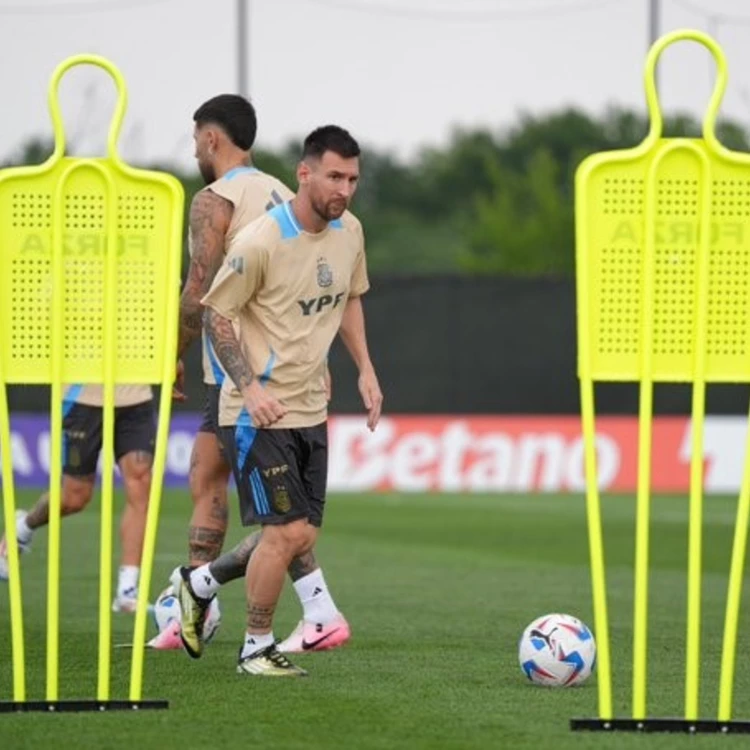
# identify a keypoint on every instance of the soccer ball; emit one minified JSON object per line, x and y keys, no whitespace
{"x":167,"y":611}
{"x":557,"y":650}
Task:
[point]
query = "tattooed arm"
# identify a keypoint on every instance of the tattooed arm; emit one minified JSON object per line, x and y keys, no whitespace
{"x":210,"y":215}
{"x":239,"y":281}
{"x":227,"y":347}
{"x":260,"y":404}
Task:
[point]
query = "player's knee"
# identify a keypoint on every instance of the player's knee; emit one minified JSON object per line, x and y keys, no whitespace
{"x":208,"y":476}
{"x":200,"y":481}
{"x":76,"y":495}
{"x":296,"y":538}
{"x":137,"y":482}
{"x":307,"y":539}
{"x":209,"y":471}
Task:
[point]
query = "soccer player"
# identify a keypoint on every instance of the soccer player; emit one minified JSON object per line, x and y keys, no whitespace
{"x":236,"y":193}
{"x":135,"y":434}
{"x":290,"y":282}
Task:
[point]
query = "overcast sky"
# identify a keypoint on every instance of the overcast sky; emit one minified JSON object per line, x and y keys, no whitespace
{"x":400,"y":74}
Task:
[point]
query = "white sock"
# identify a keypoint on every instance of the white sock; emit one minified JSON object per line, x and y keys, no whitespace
{"x":203,"y":583}
{"x":317,"y":603}
{"x":127,"y":581}
{"x":23,"y":532}
{"x":255,"y":642}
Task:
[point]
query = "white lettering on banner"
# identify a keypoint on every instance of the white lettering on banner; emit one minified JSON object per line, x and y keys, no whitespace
{"x":608,"y":461}
{"x":457,"y":440}
{"x":352,"y":466}
{"x":540,"y":462}
{"x":412,"y":458}
{"x":455,"y":454}
{"x":492,"y":469}
{"x":454,"y":459}
{"x":42,"y":451}
{"x":179,"y":449}
{"x":724,"y":446}
{"x":21,"y":459}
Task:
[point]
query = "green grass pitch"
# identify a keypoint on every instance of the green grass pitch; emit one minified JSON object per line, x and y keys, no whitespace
{"x":437,"y":590}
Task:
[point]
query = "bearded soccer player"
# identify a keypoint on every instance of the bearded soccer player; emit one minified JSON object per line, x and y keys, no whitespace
{"x":291,"y":281}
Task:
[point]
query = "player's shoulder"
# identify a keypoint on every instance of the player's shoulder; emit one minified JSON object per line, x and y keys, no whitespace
{"x":349,"y":222}
{"x":243,"y":180}
{"x":236,"y":176}
{"x":351,"y":226}
{"x":270,"y":182}
{"x":262,"y":232}
{"x":257,"y":179}
{"x":286,"y":222}
{"x":206,"y":198}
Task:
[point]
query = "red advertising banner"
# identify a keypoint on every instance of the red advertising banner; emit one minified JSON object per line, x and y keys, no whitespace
{"x":525,"y":454}
{"x":466,"y":454}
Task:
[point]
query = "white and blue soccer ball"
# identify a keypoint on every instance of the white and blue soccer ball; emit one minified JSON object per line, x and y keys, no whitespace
{"x":557,"y":650}
{"x":167,"y":611}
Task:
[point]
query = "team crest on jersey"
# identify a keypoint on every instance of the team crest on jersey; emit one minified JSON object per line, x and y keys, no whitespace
{"x":281,"y":499}
{"x":325,"y":274}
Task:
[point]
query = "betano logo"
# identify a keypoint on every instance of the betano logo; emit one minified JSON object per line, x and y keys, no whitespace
{"x":501,"y":453}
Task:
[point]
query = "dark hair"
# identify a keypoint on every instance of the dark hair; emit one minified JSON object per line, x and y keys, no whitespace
{"x":330,"y":138}
{"x":234,"y":115}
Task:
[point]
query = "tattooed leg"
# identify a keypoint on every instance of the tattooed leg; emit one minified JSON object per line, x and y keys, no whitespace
{"x":205,"y":544}
{"x":303,"y":565}
{"x":259,"y":618}
{"x":233,"y":564}
{"x":267,"y":570}
{"x":209,"y":474}
{"x":76,"y":494}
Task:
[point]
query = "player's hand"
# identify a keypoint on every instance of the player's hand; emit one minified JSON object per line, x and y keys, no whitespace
{"x":178,"y":389}
{"x":327,"y":383}
{"x":262,"y":406}
{"x":371,"y":396}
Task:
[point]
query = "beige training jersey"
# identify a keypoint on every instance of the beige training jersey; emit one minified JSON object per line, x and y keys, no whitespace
{"x":93,"y":395}
{"x":252,"y":193}
{"x":287,"y":290}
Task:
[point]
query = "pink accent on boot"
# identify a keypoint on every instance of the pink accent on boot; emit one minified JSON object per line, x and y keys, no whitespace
{"x":168,"y":639}
{"x":310,"y":636}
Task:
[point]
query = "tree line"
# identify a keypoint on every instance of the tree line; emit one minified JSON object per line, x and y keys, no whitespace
{"x":487,"y":202}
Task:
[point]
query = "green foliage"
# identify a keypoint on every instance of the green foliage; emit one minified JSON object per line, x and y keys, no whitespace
{"x":524,"y":224}
{"x":33,"y":151}
{"x":487,"y":202}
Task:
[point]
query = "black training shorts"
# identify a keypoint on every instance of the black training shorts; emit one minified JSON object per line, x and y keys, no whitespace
{"x":135,"y":430}
{"x":280,"y":474}
{"x":210,"y":422}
